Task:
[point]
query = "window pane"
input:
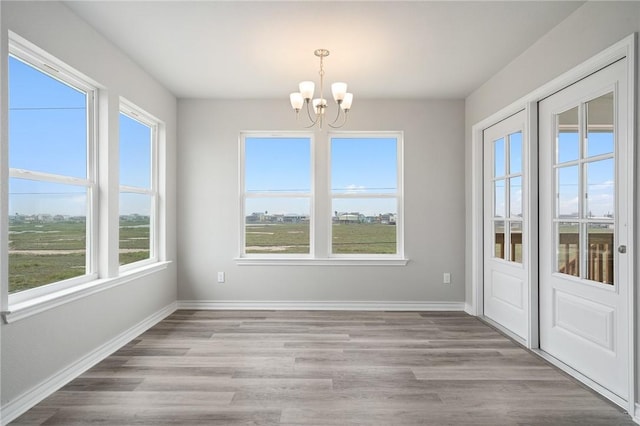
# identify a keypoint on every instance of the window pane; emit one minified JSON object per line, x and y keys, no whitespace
{"x":600,"y":189}
{"x":600,"y":125}
{"x":515,"y":153}
{"x":499,"y":206}
{"x":364,"y":226}
{"x":277,"y":164}
{"x":515,"y":197}
{"x":47,"y":118}
{"x":568,"y":148}
{"x":515,"y":229}
{"x":600,"y":254}
{"x":47,"y":233}
{"x":135,"y":227}
{"x":135,"y":153}
{"x":498,"y":239}
{"x":277,"y":225}
{"x":568,"y":192}
{"x":568,"y":239}
{"x":364,"y":165}
{"x":498,"y":158}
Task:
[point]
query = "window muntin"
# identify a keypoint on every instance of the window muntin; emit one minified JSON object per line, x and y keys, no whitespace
{"x":138,"y":193}
{"x":585,"y":190}
{"x":507,"y":197}
{"x":52,"y":187}
{"x":276,"y":195}
{"x":366,"y":195}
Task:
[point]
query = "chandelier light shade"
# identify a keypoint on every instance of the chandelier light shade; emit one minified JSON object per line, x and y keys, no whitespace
{"x":304,"y":99}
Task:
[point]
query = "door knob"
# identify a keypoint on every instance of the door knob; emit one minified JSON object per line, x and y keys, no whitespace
{"x":622,"y":249}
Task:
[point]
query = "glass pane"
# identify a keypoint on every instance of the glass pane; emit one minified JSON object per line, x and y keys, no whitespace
{"x":277,"y":225}
{"x":364,"y":165}
{"x":568,"y":192}
{"x":47,"y":233}
{"x":600,"y":125}
{"x":46,"y":117}
{"x":499,"y":207}
{"x":568,"y":248}
{"x":600,"y":252}
{"x":600,"y":189}
{"x":515,"y":153}
{"x":498,"y":239}
{"x":516,"y":241}
{"x":515,"y":197}
{"x":135,"y":227}
{"x":568,"y":148}
{"x":135,"y":153}
{"x":277,"y":164}
{"x":498,"y":158}
{"x":364,"y":226}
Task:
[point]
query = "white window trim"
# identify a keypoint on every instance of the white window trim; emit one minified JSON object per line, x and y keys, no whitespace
{"x":56,"y":69}
{"x":133,"y":112}
{"x":315,"y":257}
{"x":244,"y":195}
{"x":398,"y":195}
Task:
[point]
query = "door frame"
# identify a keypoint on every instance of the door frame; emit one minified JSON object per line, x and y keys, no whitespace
{"x":624,"y":48}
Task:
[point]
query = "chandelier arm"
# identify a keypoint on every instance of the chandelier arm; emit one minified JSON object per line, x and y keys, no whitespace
{"x":309,"y":113}
{"x":337,"y":116}
{"x":344,"y":121}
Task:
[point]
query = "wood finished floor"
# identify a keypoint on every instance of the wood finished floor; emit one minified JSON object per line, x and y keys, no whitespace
{"x":323,"y":368}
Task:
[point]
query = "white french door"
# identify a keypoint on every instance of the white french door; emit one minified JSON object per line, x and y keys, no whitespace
{"x":506,"y":298}
{"x":583,"y":228}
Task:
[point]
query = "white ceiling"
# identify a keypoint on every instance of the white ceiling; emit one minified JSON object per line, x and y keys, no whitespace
{"x":262,"y":49}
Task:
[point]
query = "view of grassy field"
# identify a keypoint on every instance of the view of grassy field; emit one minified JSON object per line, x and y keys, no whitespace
{"x":43,"y":253}
{"x":355,"y":238}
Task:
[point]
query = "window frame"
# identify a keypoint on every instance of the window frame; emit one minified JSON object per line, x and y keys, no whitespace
{"x":320,"y":206}
{"x":56,"y":69}
{"x":135,"y":113}
{"x":244,"y":194}
{"x":398,"y":195}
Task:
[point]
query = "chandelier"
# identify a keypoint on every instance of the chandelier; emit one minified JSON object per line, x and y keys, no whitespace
{"x":305,"y":96}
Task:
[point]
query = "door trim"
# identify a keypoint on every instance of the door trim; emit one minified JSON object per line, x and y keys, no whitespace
{"x":624,"y":48}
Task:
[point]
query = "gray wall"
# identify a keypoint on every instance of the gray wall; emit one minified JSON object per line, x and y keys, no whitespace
{"x":589,"y":30}
{"x":208,"y":213}
{"x":35,"y":348}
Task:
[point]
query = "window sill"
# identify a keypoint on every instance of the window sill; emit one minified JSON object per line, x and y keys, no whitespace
{"x":25,"y":309}
{"x":333,"y":261}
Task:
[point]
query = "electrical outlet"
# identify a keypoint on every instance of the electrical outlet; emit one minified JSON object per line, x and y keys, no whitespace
{"x":446,"y":278}
{"x":220,"y":277}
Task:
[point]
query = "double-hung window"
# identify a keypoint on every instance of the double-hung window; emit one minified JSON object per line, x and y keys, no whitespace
{"x":366,"y":194}
{"x":277,"y":199}
{"x":138,"y":186}
{"x":346,"y":208}
{"x":52,"y":177}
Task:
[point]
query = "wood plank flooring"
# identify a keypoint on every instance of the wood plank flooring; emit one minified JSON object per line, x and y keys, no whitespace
{"x":323,"y":368}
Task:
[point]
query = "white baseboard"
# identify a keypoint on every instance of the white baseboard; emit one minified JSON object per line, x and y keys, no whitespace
{"x":320,"y":305}
{"x":636,"y":414}
{"x":15,"y":408}
{"x":469,"y":309}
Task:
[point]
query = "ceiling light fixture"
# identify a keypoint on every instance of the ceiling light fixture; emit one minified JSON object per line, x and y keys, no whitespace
{"x":305,"y":96}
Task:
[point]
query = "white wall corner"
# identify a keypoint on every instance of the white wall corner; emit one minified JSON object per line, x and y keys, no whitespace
{"x":15,"y":408}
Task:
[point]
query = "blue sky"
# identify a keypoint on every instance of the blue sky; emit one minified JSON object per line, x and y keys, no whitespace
{"x":358,"y":166}
{"x":47,"y":133}
{"x":599,"y":174}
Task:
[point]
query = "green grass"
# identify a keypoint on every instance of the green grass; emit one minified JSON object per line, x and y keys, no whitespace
{"x":47,"y":236}
{"x":277,"y":238}
{"x":28,"y":271}
{"x":363,"y":238}
{"x":347,"y":238}
{"x":44,"y":253}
